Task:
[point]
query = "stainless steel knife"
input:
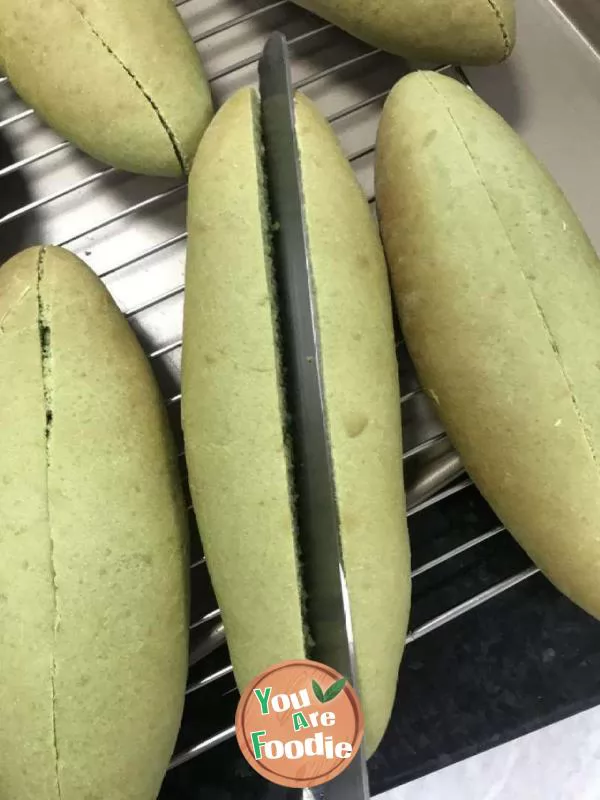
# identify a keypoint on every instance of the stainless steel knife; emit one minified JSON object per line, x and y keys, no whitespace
{"x":327,"y":606}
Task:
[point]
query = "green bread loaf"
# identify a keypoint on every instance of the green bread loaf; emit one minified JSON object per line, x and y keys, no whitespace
{"x":234,"y":414}
{"x":93,"y":545}
{"x":498,"y":290}
{"x":121,"y":80}
{"x":231,"y":400}
{"x":453,"y":31}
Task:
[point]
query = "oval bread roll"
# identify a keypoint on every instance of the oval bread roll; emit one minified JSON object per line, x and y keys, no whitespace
{"x":93,"y":545}
{"x":498,"y":289}
{"x":454,"y":31}
{"x":232,"y":401}
{"x":234,"y":413}
{"x":121,"y":80}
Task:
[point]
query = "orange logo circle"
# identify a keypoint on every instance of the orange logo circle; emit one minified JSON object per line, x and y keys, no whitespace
{"x":299,"y":724}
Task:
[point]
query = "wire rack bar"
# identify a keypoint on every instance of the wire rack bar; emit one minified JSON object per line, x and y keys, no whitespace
{"x":212,"y":615}
{"x":421,"y":448}
{"x":345,"y":112}
{"x":178,"y":290}
{"x":198,"y":563}
{"x":214,"y":676}
{"x":203,"y":747}
{"x":410,"y":395}
{"x":438,"y":498}
{"x":163,"y":351}
{"x":457,"y":551}
{"x":326,"y":73}
{"x":25,"y":162}
{"x":151,"y":251}
{"x":471,"y":604}
{"x":29,"y":112}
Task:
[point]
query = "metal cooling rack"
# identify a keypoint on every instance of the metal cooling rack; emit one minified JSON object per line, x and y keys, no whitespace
{"x":132,"y":229}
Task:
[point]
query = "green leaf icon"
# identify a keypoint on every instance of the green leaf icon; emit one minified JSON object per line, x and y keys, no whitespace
{"x":334,"y":690}
{"x":318,"y":692}
{"x":331,"y":693}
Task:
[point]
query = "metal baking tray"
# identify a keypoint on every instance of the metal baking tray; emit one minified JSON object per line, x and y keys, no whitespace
{"x":131,"y":230}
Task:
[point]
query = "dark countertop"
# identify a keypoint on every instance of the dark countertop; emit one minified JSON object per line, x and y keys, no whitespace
{"x":521,"y":661}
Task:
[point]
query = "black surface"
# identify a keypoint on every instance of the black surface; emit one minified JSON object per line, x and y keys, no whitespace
{"x":23,"y":230}
{"x":523,"y":660}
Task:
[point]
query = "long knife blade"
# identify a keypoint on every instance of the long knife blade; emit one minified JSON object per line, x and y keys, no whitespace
{"x":327,"y":606}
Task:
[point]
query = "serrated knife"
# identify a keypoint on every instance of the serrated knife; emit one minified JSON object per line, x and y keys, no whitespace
{"x":327,"y":606}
